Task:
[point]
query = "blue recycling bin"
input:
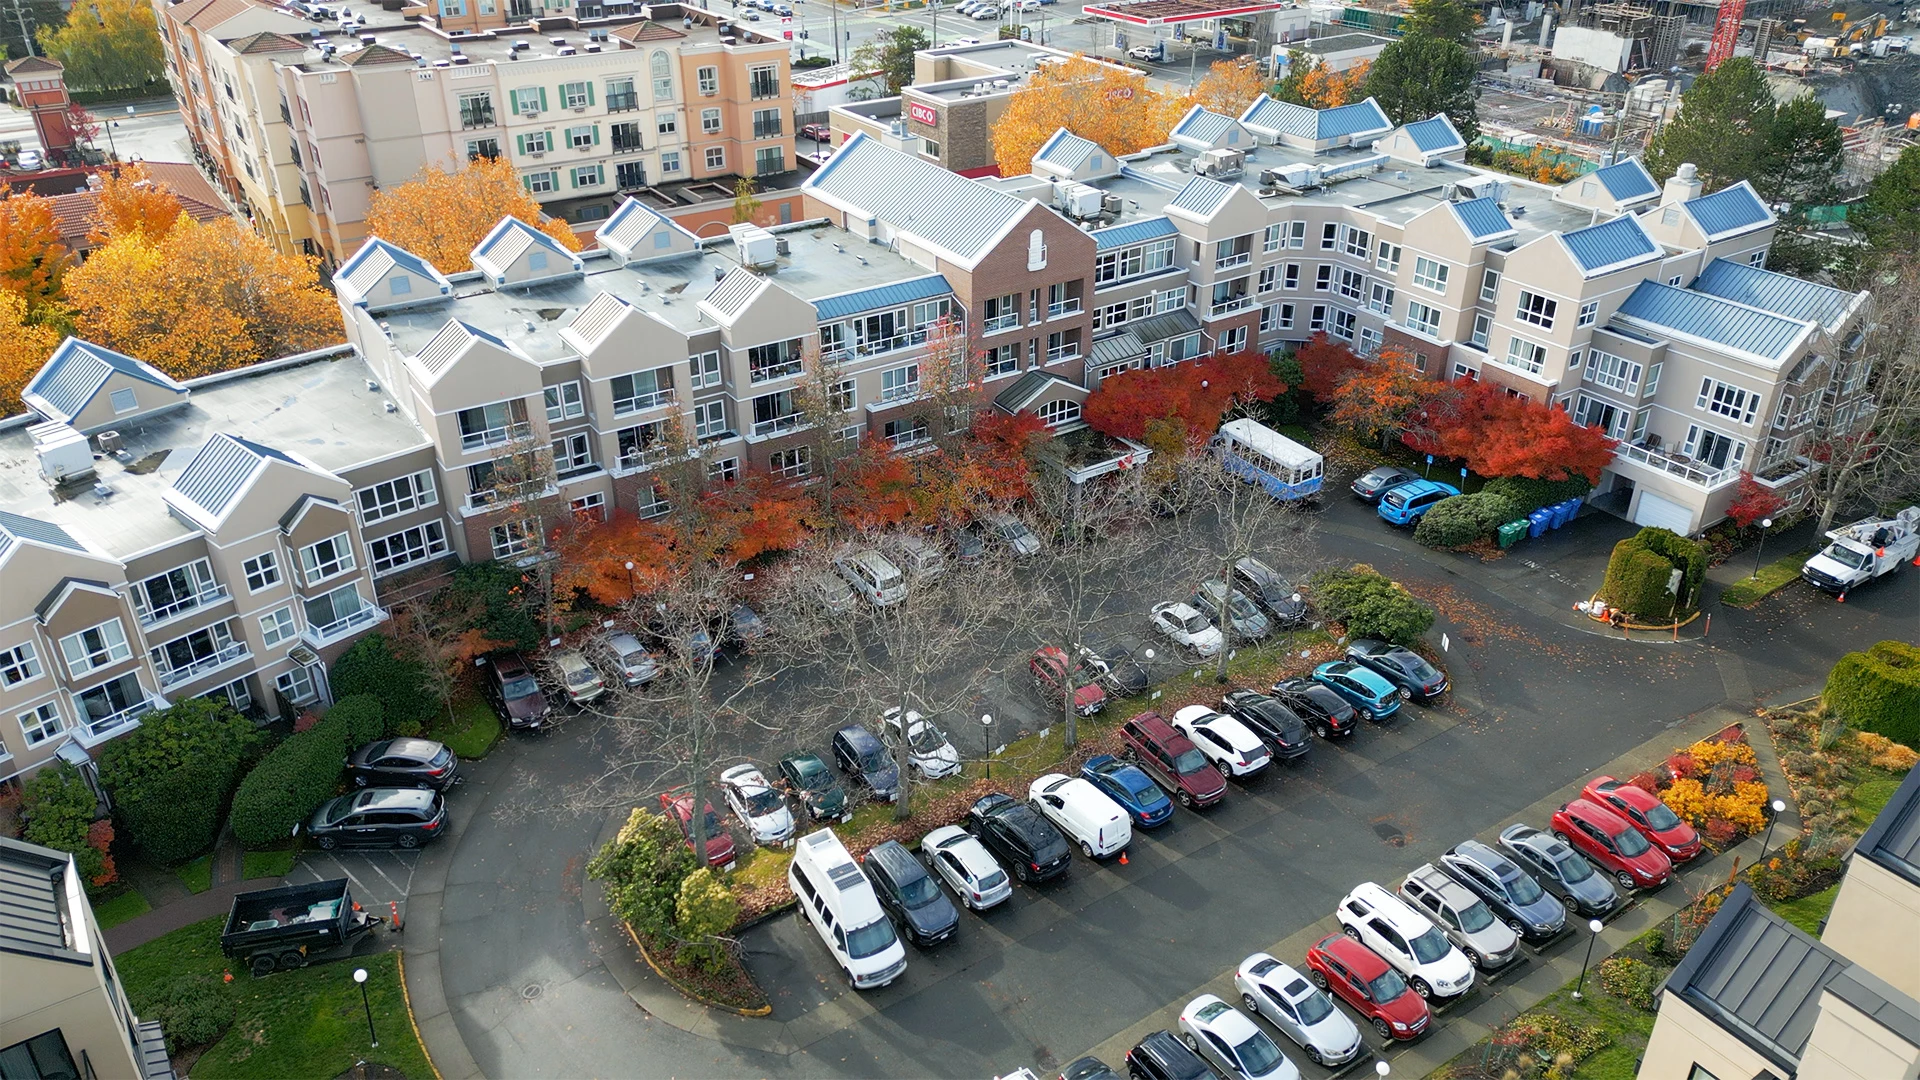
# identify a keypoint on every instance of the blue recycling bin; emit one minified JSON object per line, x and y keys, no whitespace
{"x":1573,"y":507}
{"x":1560,"y":514}
{"x":1538,"y":523}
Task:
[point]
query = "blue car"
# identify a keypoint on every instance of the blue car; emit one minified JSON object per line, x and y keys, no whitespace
{"x":1367,"y":689}
{"x":1134,"y":790}
{"x":1404,"y":504}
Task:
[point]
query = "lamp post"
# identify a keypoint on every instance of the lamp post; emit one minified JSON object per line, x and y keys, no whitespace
{"x":632,"y":590}
{"x":986,"y":719}
{"x":1596,"y":926}
{"x":1765,"y":524}
{"x":1381,"y":1067}
{"x":1778,"y":807}
{"x":360,"y":976}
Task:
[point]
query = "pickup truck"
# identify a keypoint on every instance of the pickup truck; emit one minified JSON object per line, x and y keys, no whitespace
{"x":1864,"y":550}
{"x":282,"y":929}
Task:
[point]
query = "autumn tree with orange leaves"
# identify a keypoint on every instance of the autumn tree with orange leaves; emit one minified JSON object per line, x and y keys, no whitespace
{"x":33,"y":260}
{"x":1194,"y":396}
{"x":24,"y":346}
{"x":1108,"y":104}
{"x":442,"y":215}
{"x":132,"y":202}
{"x":1501,"y":434}
{"x":1385,"y":397}
{"x":1229,"y":87}
{"x":1324,"y":365}
{"x":1310,"y":82}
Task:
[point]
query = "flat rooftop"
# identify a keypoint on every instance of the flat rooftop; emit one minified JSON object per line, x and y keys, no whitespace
{"x":823,"y":262}
{"x":433,"y":45}
{"x":321,"y":410}
{"x":1342,"y":43}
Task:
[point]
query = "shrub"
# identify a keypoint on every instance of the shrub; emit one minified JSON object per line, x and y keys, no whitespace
{"x":1641,"y":564}
{"x":289,"y":784}
{"x":1526,"y":494}
{"x":361,"y":720}
{"x":1370,"y":605}
{"x":171,"y":779}
{"x":1885,"y":753}
{"x":1630,"y":980}
{"x":1462,"y":519}
{"x":1879,"y":691}
{"x":60,"y":808}
{"x":642,"y":868}
{"x":703,"y":910}
{"x":371,"y":667}
{"x":194,"y":1009}
{"x":1656,"y":940}
{"x":1799,"y":763}
{"x":1719,"y":832}
{"x":1552,"y":1035}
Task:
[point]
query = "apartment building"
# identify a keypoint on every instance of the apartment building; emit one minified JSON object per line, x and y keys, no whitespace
{"x":65,"y":1012}
{"x":304,"y":121}
{"x":1759,"y":997}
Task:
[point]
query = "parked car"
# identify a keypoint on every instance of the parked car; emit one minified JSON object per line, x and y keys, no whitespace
{"x":1131,"y":788}
{"x":861,"y":755}
{"x":678,"y":807}
{"x":1246,"y":619}
{"x":1080,"y":811}
{"x":1048,"y":666}
{"x":1088,"y":1068}
{"x":816,"y":132}
{"x":405,"y":762}
{"x":758,"y":806}
{"x":627,"y":660}
{"x":1006,"y":528}
{"x":696,"y":646}
{"x":1019,"y":837}
{"x":1613,"y":843}
{"x":379,"y":817}
{"x":578,"y":678}
{"x":1514,"y":898}
{"x":29,"y":161}
{"x":1376,"y":991}
{"x":1271,"y":591}
{"x":1161,"y":1056}
{"x":1302,"y":1011}
{"x":1405,"y":938}
{"x":1145,"y":53}
{"x":834,"y":594}
{"x":1224,"y":1036}
{"x":1560,"y":869}
{"x":1118,"y":665}
{"x":908,"y":893}
{"x":1326,"y":712}
{"x":1173,"y":761}
{"x":1487,"y":942}
{"x":1406,"y":504}
{"x":744,"y":628}
{"x":966,"y":866}
{"x":914,"y":553}
{"x":1283,"y":731}
{"x":970,"y":543}
{"x":1232,"y":747}
{"x":1377,"y":481}
{"x":984,"y":13}
{"x":818,"y":791}
{"x":515,"y":693}
{"x":1645,"y":812}
{"x":872,"y":576}
{"x":1187,"y":628}
{"x":929,"y":752}
{"x":1416,"y":679}
{"x":1374,"y":696}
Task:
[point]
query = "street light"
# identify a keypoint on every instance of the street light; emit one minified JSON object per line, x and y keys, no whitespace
{"x":1596,"y":926}
{"x":1765,"y":524}
{"x":1779,"y":807}
{"x":632,"y":591}
{"x":360,"y":976}
{"x":987,"y":719}
{"x":1382,"y":1067}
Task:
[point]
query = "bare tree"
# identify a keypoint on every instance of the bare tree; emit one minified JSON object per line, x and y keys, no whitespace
{"x":824,"y":398}
{"x":521,"y":489}
{"x":1870,"y":452}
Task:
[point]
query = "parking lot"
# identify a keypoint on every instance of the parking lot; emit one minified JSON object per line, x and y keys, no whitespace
{"x":378,"y":878}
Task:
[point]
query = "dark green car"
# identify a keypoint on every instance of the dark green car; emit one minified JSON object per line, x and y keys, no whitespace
{"x":815,"y":785}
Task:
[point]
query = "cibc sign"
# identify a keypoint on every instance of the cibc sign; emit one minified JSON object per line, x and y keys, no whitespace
{"x":925,"y":114}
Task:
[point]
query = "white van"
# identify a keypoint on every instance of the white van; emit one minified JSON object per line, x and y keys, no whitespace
{"x":873,"y":577}
{"x":916,"y":555}
{"x":839,"y":901}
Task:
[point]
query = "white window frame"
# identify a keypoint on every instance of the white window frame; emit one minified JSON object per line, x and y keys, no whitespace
{"x":1423,"y":317}
{"x":793,"y":463}
{"x":1728,"y":401}
{"x":589,"y":507}
{"x":1525,"y":354}
{"x":296,"y":686}
{"x":423,"y":542}
{"x":386,"y":499}
{"x":1589,"y":313}
{"x":1387,"y":256}
{"x":1537,"y":309}
{"x":277,"y":626}
{"x":1431,"y":274}
{"x":1380,"y":298}
{"x":709,"y":418}
{"x":82,"y":658}
{"x":564,"y":401}
{"x":315,"y":568}
{"x":263,"y":568}
{"x":1490,"y":286}
{"x":41,"y":723}
{"x":710,"y":121}
{"x":20,"y":665}
{"x":1058,"y":411}
{"x":1613,"y":372}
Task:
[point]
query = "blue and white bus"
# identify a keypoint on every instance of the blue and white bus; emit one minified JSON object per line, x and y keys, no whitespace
{"x":1259,"y":454}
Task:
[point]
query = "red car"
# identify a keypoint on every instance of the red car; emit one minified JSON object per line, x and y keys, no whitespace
{"x":679,"y":806}
{"x":1173,"y":761}
{"x":1047,"y":667}
{"x":1369,"y":984}
{"x":1644,"y":811}
{"x":1612,"y":842}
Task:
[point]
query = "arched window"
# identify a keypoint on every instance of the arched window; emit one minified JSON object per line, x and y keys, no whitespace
{"x":1036,"y":250}
{"x":1059,"y":411}
{"x":662,"y":70}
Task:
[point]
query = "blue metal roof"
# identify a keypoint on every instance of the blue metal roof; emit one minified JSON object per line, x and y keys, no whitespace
{"x":1728,"y":211}
{"x":377,"y":258}
{"x":1201,"y":197}
{"x":219,"y":473}
{"x":1778,"y":293}
{"x":18,"y":527}
{"x":1202,"y":130}
{"x":882,"y":296}
{"x":1610,"y":244}
{"x":75,"y":373}
{"x":1482,"y":218}
{"x":1136,"y":232}
{"x":1627,"y":180}
{"x":1435,"y":135}
{"x":1709,"y":318}
{"x":1066,"y":151}
{"x":1354,"y":119}
{"x":1284,"y":117}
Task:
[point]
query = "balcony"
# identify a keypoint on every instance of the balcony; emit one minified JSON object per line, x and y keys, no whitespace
{"x":231,"y":654}
{"x":1059,"y":353}
{"x":779,"y":425}
{"x":767,"y":130}
{"x":168,"y":612}
{"x":1069,"y":306}
{"x":760,"y":373}
{"x":634,"y":460}
{"x":92,"y":733}
{"x":997,"y":323}
{"x":476,"y":118}
{"x":642,"y":402}
{"x":1698,"y":473}
{"x":1230,"y":261}
{"x":620,"y":102}
{"x":879,"y":346}
{"x":321,"y":636}
{"x":494,"y":436}
{"x":1229,"y":306}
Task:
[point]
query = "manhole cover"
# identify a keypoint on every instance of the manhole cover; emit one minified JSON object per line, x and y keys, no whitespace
{"x":530,"y":991}
{"x":1390,"y":834}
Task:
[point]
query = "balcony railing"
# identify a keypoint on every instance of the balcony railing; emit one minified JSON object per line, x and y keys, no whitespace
{"x":763,"y":130}
{"x":1693,"y":472}
{"x":878,"y":346}
{"x":231,"y":654}
{"x":493,"y":436}
{"x":618,"y":102}
{"x":642,"y":402}
{"x":1064,"y":307}
{"x":770,"y":372}
{"x":94,"y":732}
{"x":476,"y":118}
{"x":1057,"y":353}
{"x":286,"y":114}
{"x":997,"y":323}
{"x":776,"y":426}
{"x":319,"y":636}
{"x":184,"y":604}
{"x":1230,"y":305}
{"x":642,"y":459}
{"x":1228,"y":262}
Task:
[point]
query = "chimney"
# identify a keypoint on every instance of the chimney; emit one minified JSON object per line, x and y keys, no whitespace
{"x":1684,"y":185}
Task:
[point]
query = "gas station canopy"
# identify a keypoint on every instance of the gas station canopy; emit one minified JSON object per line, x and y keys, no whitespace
{"x":1176,"y":12}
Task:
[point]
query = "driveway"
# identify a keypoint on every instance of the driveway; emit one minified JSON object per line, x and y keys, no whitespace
{"x":378,"y":877}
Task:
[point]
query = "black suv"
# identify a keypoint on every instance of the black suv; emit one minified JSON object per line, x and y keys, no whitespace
{"x":1416,"y":679}
{"x":1278,"y":726}
{"x":379,"y":817}
{"x":1019,"y":836}
{"x":1326,"y":712}
{"x":923,"y":913}
{"x":859,"y":754}
{"x":1271,"y":591}
{"x":404,"y":763}
{"x":1161,"y":1056}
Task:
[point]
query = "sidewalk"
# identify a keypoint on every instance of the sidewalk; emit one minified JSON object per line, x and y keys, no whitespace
{"x":182,"y":912}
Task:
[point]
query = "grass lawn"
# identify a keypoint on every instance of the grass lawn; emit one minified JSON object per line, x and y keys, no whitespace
{"x":197,"y":875}
{"x":127,"y":905}
{"x":1870,"y":796}
{"x":1628,"y":1026}
{"x":1774,"y":576}
{"x":762,"y":866}
{"x":472,"y":730}
{"x":260,"y":864}
{"x":1807,"y":911}
{"x":305,"y":1023}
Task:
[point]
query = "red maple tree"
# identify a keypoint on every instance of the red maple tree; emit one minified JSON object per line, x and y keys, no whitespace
{"x":1752,"y":501}
{"x":1197,"y":394}
{"x":1324,"y":365}
{"x":1386,"y":397}
{"x":1498,"y":433}
{"x":999,"y":458}
{"x":753,"y":515}
{"x":878,"y":486}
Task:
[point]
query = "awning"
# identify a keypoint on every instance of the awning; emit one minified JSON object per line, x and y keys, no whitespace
{"x":1117,"y":349}
{"x":1161,"y":327}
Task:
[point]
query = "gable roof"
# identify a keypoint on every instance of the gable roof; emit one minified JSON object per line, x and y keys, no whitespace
{"x":1202,"y":128}
{"x":1893,"y":840}
{"x":943,"y":210}
{"x":267,"y":41}
{"x":1762,"y":335}
{"x":1610,"y":245}
{"x":1268,"y":116}
{"x":220,"y":472}
{"x":437,"y":356}
{"x":34,"y":65}
{"x":373,"y":55}
{"x":1729,"y":211}
{"x":1066,"y":153}
{"x":370,"y":265}
{"x":1482,"y":219}
{"x":647,"y":31}
{"x":34,"y":917}
{"x":1435,"y":135}
{"x":1781,"y":294}
{"x":77,"y":371}
{"x":1134,"y":232}
{"x":18,"y":528}
{"x":631,"y":222}
{"x":740,"y":288}
{"x":1627,"y":181}
{"x":882,"y":296}
{"x":1029,"y":387}
{"x":595,"y":321}
{"x":512,"y":238}
{"x":1201,"y":198}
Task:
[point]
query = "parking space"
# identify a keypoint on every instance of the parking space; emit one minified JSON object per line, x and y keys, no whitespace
{"x":379,"y":878}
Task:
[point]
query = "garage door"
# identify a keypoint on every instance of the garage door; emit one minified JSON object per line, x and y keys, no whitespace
{"x":1662,"y":513}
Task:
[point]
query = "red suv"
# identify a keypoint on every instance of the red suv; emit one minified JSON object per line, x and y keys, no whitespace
{"x":1369,"y":984}
{"x":678,"y":806}
{"x":1173,"y":761}
{"x":1645,"y":812}
{"x":1610,"y":840}
{"x":1047,"y":667}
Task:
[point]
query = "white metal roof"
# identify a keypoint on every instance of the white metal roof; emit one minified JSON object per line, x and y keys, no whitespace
{"x":1267,"y":441}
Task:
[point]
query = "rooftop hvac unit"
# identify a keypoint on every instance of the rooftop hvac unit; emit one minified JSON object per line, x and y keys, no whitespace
{"x":1475,"y":188}
{"x":1220,"y":163}
{"x":62,"y":451}
{"x":111,"y":442}
{"x":756,"y":246}
{"x":462,"y":59}
{"x":1078,"y":201}
{"x":1297,"y":176}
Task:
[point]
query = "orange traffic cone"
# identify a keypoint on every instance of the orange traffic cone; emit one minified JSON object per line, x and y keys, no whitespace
{"x":229,"y":976}
{"x":1843,"y":598}
{"x":1123,"y":858}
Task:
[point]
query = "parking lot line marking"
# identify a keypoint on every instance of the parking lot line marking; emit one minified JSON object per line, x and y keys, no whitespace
{"x":396,"y":888}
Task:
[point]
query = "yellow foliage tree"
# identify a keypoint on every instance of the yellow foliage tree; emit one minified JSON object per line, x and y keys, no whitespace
{"x":1324,"y":88}
{"x":1230,"y":86}
{"x":132,"y":201}
{"x":442,"y":216}
{"x":24,"y":346}
{"x":1109,"y":105}
{"x":201,"y":299}
{"x":33,"y":261}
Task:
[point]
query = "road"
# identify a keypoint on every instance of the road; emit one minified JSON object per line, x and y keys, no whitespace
{"x":154,"y":132}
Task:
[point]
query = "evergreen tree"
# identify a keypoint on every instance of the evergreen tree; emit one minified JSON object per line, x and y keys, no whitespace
{"x":1890,"y":214}
{"x":1805,"y":148}
{"x":1448,"y":20}
{"x":1421,"y":75}
{"x":1725,"y":127}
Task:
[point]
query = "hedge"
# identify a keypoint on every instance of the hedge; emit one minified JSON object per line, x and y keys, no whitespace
{"x":1528,"y":494}
{"x":1879,"y":691}
{"x":171,"y":779}
{"x":1637,"y":573}
{"x":372,"y":667}
{"x":1372,"y":606}
{"x":1462,"y":519}
{"x":301,"y":773}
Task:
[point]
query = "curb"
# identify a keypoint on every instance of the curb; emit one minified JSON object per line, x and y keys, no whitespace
{"x":400,"y":957}
{"x":764,"y":1010}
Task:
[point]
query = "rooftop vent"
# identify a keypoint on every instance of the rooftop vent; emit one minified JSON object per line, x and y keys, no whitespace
{"x":111,"y":443}
{"x":372,"y":387}
{"x":461,"y":59}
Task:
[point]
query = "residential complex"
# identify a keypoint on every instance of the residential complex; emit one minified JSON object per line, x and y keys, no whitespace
{"x":304,"y":121}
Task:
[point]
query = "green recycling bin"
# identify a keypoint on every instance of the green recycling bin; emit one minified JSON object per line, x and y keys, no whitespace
{"x":1511,"y":532}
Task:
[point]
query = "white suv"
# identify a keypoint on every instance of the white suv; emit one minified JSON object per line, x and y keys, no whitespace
{"x":1405,"y":939}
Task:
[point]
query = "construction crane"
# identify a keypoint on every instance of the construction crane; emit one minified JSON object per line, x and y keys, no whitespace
{"x":1726,"y":31}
